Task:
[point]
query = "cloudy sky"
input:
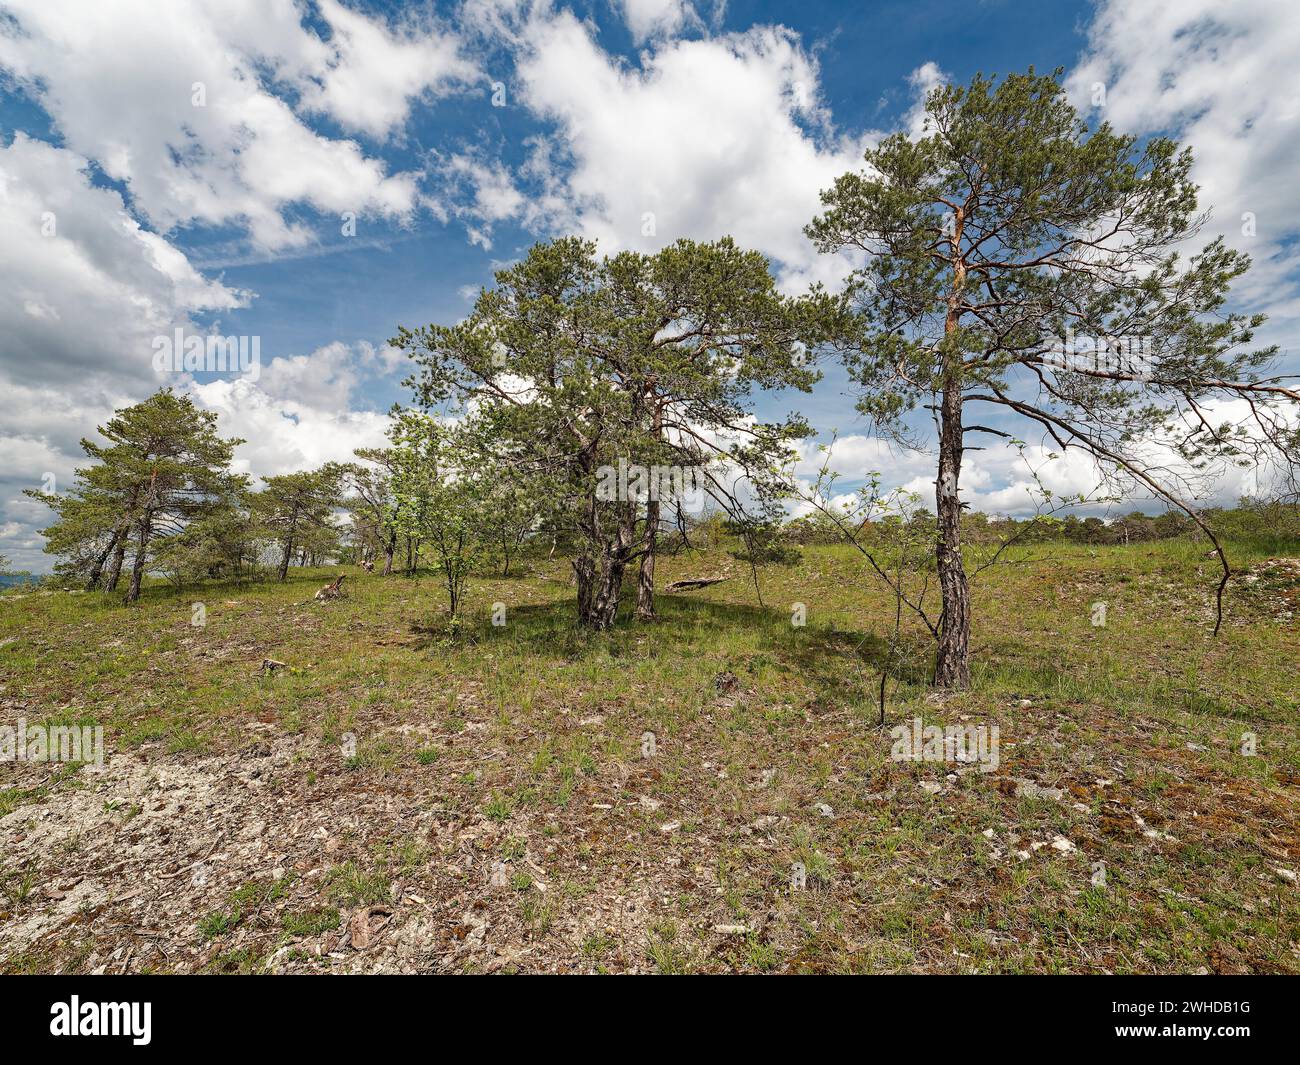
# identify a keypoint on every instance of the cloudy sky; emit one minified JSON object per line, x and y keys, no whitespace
{"x":316,"y":173}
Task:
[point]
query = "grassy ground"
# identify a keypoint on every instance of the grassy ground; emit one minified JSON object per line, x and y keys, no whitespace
{"x":396,"y":800}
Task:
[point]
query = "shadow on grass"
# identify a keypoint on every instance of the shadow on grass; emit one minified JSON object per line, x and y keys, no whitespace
{"x":160,"y":590}
{"x":842,"y":665}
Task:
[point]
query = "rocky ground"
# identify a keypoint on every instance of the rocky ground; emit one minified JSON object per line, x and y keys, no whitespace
{"x":410,"y":805}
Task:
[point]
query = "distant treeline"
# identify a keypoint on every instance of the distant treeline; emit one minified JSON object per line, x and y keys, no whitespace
{"x":1250,"y":519}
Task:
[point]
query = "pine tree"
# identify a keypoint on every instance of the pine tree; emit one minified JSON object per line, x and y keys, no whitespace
{"x":295,"y":511}
{"x":163,"y":468}
{"x":572,"y":364}
{"x":1018,"y":260}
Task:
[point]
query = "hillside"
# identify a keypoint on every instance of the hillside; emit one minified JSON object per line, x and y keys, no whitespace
{"x":499,"y":811}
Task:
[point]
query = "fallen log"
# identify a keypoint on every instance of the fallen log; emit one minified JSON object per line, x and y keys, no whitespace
{"x":691,"y":585}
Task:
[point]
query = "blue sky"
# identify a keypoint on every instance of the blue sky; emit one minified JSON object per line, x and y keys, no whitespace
{"x":416,"y":276}
{"x":717,"y":118}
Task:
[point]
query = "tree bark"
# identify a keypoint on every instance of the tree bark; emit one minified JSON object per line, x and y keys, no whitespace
{"x":137,"y":567}
{"x":284,"y":562}
{"x":604,"y":603}
{"x":952,"y":662}
{"x":600,"y":579}
{"x":645,"y":584}
{"x":97,"y":570}
{"x":390,"y":549}
{"x":614,"y":562}
{"x":584,"y":576}
{"x":115,"y":567}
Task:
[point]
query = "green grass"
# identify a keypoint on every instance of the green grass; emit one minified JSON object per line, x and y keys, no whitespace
{"x":350,"y":885}
{"x":244,"y":903}
{"x":312,"y":922}
{"x":523,"y":744}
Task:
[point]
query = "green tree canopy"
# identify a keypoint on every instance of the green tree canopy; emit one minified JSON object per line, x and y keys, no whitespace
{"x":572,"y":363}
{"x":164,"y":467}
{"x":295,"y":511}
{"x":1019,"y":260}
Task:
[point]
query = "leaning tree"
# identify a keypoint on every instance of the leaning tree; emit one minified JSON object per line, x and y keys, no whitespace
{"x":164,"y":469}
{"x":1018,"y":260}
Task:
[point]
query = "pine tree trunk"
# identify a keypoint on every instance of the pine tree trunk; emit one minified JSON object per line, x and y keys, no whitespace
{"x":600,"y":581}
{"x":284,"y":562}
{"x":137,"y":568}
{"x":390,"y":549}
{"x":645,"y":584}
{"x":614,"y":560}
{"x":952,"y":664}
{"x":115,"y":567}
{"x":584,"y":576}
{"x":119,"y":552}
{"x":97,"y":570}
{"x":604,"y":603}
